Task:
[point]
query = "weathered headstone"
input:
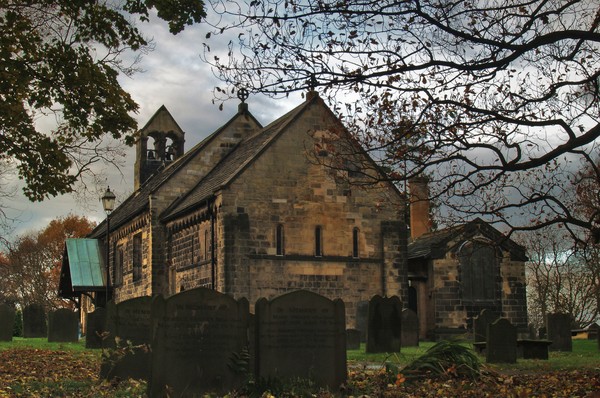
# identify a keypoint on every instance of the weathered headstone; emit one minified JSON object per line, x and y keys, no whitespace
{"x":200,"y":344}
{"x":63,"y":326}
{"x":559,"y":332}
{"x":7,"y":322}
{"x":384,"y":329}
{"x":34,"y":321}
{"x":533,"y":348}
{"x":129,"y":335}
{"x":501,"y":343}
{"x":481,"y":322}
{"x":96,"y":331}
{"x":302,"y":335}
{"x":410,"y":328}
{"x":362,"y":319}
{"x":353,"y":339}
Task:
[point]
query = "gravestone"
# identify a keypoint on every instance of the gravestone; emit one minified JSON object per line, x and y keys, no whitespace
{"x":384,"y":328}
{"x":200,"y":344}
{"x":34,"y":321}
{"x":558,"y":327}
{"x":301,"y":335}
{"x":410,"y":328}
{"x":362,"y":318}
{"x":7,"y":322}
{"x":96,"y":330}
{"x":353,"y":339}
{"x":480,"y":324}
{"x":501,"y":343}
{"x":129,"y":335}
{"x":592,"y":331}
{"x":63,"y":326}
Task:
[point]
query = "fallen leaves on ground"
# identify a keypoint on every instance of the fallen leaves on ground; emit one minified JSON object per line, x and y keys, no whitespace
{"x":55,"y":373}
{"x":556,"y":384}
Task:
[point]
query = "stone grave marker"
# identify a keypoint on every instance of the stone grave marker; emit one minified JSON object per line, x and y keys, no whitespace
{"x":200,"y":344}
{"x":63,"y":326}
{"x":362,"y":319}
{"x":501,"y":342}
{"x":96,"y":330}
{"x":302,"y":335}
{"x":481,"y":322}
{"x":353,"y":339}
{"x":410,"y":328}
{"x":34,"y":321}
{"x":558,"y":327}
{"x":7,"y":322}
{"x":129,"y":333}
{"x":384,"y":328}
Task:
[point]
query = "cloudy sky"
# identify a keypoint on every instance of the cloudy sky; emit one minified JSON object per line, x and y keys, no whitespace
{"x":174,"y":76}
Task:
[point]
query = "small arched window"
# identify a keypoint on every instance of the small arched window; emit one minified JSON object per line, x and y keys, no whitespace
{"x":319,"y":241}
{"x":355,"y":243}
{"x":206,"y":244}
{"x":279,"y":240}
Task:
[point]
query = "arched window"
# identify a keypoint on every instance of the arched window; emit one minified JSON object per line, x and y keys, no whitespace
{"x":279,"y":242}
{"x":206,"y":244}
{"x":479,"y":270}
{"x":318,"y":241}
{"x":355,"y":243}
{"x":137,"y":257}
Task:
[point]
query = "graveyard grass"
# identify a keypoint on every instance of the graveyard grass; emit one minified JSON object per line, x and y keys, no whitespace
{"x":36,"y":368}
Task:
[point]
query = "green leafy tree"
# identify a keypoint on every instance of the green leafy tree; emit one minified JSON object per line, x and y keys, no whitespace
{"x":502,"y":96}
{"x":61,"y":58}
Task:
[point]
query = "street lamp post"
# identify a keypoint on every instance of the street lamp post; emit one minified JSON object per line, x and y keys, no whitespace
{"x":108,"y":203}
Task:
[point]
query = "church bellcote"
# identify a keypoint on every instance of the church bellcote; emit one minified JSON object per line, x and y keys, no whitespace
{"x":159,"y":142}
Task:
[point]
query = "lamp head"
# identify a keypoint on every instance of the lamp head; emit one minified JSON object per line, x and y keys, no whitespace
{"x":108,"y":201}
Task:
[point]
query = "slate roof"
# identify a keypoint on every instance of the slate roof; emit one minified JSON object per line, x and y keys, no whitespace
{"x":233,"y":164}
{"x":435,"y":244}
{"x":138,"y":202}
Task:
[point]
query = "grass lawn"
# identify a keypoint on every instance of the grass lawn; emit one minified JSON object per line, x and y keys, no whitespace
{"x":36,"y":368}
{"x":585,"y":355}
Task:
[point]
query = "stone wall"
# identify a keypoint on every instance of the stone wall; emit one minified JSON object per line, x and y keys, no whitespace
{"x":454,"y":315}
{"x":286,"y":188}
{"x":130,"y":288}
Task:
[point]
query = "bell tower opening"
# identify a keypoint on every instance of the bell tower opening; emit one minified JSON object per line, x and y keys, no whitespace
{"x":160,"y":142}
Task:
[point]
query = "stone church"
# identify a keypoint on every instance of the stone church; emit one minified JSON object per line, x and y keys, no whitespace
{"x":257,"y":211}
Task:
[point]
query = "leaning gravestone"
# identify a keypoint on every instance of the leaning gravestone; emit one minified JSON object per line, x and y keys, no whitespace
{"x":200,"y":344}
{"x":481,"y":322}
{"x":63,"y":326}
{"x":7,"y":322}
{"x":384,"y":328}
{"x":558,"y":327}
{"x":301,"y":335}
{"x":410,"y":328}
{"x":95,"y":329}
{"x":129,"y":336}
{"x":34,"y":321}
{"x":501,"y":343}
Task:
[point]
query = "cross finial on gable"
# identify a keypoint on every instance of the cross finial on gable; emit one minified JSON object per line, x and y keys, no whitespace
{"x":243,"y":95}
{"x":312,"y":83}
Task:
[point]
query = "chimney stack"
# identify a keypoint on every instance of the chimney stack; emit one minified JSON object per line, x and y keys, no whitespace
{"x":420,"y":219}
